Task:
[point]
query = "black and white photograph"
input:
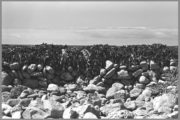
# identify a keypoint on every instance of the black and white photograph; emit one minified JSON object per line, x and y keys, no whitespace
{"x":89,"y":60}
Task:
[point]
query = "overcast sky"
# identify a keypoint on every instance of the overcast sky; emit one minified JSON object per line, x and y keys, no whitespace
{"x":84,"y":23}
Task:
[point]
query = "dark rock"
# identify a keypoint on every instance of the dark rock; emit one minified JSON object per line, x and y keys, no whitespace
{"x":110,"y":73}
{"x":6,"y":78}
{"x":137,"y":73}
{"x":13,"y":102}
{"x":17,"y":90}
{"x":5,"y":88}
{"x":25,"y":102}
{"x":67,"y":76}
{"x":32,"y":83}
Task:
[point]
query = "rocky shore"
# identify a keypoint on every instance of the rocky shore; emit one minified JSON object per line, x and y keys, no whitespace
{"x":140,"y":91}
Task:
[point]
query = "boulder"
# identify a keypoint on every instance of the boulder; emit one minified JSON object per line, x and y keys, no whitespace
{"x":92,"y":88}
{"x":31,"y":68}
{"x":69,"y":113}
{"x":16,"y":114}
{"x":90,"y":115}
{"x":112,"y":107}
{"x":143,"y":80}
{"x":117,"y":85}
{"x":164,"y":103}
{"x":173,"y":62}
{"x":116,"y":66}
{"x":71,"y":87}
{"x":53,"y":87}
{"x":120,"y":95}
{"x":49,"y":69}
{"x":165,"y":69}
{"x":146,"y":74}
{"x":139,"y":85}
{"x":146,"y":94}
{"x":83,"y":109}
{"x":109,"y":65}
{"x":135,"y":92}
{"x":39,"y":67}
{"x":80,"y":81}
{"x":110,"y":73}
{"x":111,"y":92}
{"x":123,"y":74}
{"x":102,"y":72}
{"x":123,"y":67}
{"x":14,"y":66}
{"x":55,"y":108}
{"x":94,"y":99}
{"x":130,"y":105}
{"x":80,"y":94}
{"x":173,"y":68}
{"x":137,"y":73}
{"x":62,"y":90}
{"x":6,"y":109}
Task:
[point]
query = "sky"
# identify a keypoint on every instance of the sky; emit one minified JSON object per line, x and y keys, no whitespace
{"x":88,"y":23}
